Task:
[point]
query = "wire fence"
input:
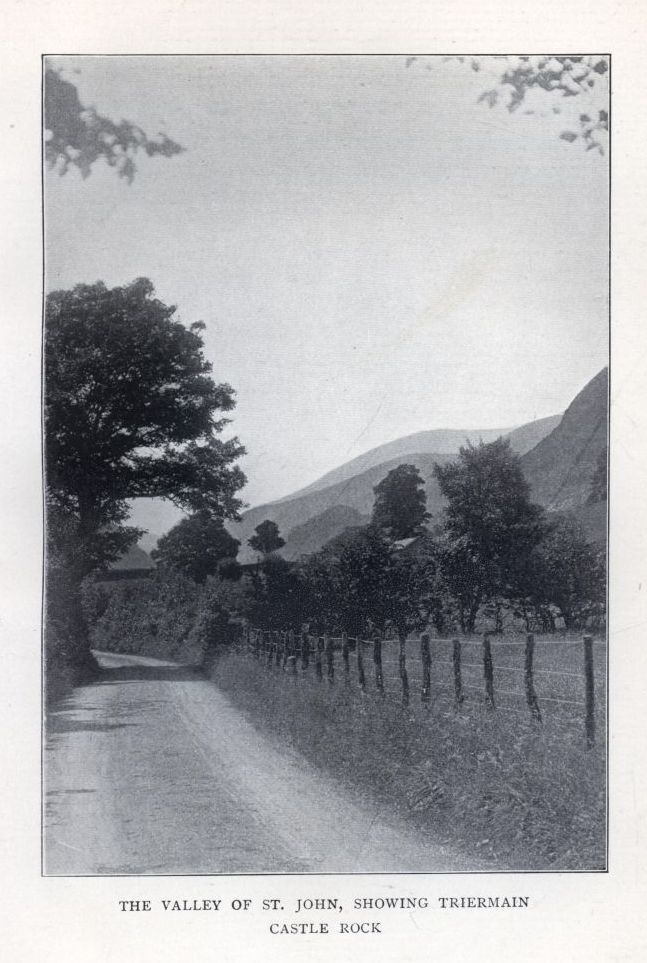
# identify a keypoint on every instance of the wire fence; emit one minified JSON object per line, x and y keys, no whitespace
{"x":563,"y":679}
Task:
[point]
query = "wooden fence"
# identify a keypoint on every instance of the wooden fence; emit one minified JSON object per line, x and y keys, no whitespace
{"x":565,"y":678}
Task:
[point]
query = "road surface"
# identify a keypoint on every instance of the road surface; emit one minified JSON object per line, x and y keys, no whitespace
{"x":152,"y":770}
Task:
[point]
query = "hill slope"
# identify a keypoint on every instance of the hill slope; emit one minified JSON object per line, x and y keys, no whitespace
{"x":307,"y":538}
{"x":561,"y":466}
{"x":441,"y":441}
{"x":354,"y":493}
{"x":312,"y":516}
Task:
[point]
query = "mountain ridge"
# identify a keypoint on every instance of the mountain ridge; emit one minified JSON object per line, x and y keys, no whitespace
{"x":440,"y":441}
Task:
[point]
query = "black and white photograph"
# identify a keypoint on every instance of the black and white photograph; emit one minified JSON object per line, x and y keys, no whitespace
{"x":326,"y":367}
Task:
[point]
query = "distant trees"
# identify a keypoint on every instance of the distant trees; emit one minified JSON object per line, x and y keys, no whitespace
{"x":362,"y":578}
{"x":267,"y":538}
{"x":494,"y":552}
{"x":198,"y":546}
{"x":400,"y":509}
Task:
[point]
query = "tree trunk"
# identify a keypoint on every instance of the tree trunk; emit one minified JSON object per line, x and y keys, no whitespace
{"x":471,"y":618}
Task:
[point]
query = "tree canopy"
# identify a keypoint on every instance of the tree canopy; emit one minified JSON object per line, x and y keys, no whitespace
{"x":130,"y":411}
{"x":566,"y":571}
{"x":491,"y":525}
{"x":78,"y":136}
{"x":400,"y":503}
{"x":197,"y":546}
{"x":267,"y":538}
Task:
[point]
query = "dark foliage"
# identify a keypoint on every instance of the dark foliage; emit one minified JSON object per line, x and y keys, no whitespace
{"x":130,"y":411}
{"x":198,"y":546}
{"x":491,"y":526}
{"x":79,"y":136}
{"x":267,"y":538}
{"x":273,"y":595}
{"x":400,"y":504}
{"x":564,"y":572}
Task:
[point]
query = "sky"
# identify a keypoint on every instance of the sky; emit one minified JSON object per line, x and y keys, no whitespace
{"x":372,"y":250}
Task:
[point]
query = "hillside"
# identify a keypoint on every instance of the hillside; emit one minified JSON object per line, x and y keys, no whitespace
{"x":440,"y":441}
{"x":355,"y":493}
{"x":561,"y":466}
{"x":312,"y":516}
{"x":307,"y":538}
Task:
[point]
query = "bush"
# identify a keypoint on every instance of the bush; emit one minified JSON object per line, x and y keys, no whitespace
{"x":167,"y":616}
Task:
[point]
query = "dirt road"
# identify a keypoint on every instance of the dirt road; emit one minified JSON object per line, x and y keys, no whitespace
{"x":152,"y":770}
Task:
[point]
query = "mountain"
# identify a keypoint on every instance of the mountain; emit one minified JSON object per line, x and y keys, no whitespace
{"x":311,"y":535}
{"x":440,"y":441}
{"x":561,"y":466}
{"x":310,"y":517}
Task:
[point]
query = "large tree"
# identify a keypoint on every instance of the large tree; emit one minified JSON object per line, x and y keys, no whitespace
{"x":198,"y":546}
{"x":131,"y":411}
{"x":491,"y":525}
{"x":400,"y":509}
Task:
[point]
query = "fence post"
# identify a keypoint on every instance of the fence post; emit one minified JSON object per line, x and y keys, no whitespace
{"x":330,"y":658}
{"x":377,"y":659}
{"x":488,"y":671}
{"x":318,"y":661}
{"x":269,"y":649}
{"x":402,"y":666}
{"x":292,"y":652}
{"x":277,"y":646}
{"x":589,"y":692}
{"x":425,"y":655}
{"x":531,"y":695}
{"x":458,"y":678}
{"x":305,"y":650}
{"x":344,"y":654}
{"x":361,"y":677}
{"x":285,"y":642}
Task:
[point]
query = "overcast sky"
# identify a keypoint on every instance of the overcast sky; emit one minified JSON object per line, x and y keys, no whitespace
{"x":373,"y":252}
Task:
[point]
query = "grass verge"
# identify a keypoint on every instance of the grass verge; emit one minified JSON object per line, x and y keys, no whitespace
{"x":489,"y":783}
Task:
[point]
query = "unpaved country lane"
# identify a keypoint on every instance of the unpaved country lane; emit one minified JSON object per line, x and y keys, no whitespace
{"x":152,"y":770}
